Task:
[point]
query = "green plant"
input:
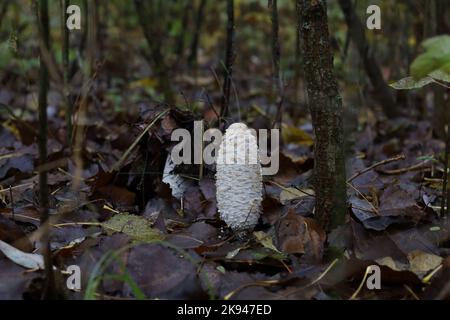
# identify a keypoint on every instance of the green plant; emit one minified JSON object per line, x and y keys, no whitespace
{"x":432,"y":66}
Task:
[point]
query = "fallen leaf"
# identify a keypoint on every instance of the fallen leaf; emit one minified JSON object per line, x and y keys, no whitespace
{"x":265,"y":240}
{"x":422,"y":262}
{"x":137,"y":227}
{"x":164,"y":273}
{"x":26,"y":260}
{"x":289,"y":194}
{"x":297,"y":234}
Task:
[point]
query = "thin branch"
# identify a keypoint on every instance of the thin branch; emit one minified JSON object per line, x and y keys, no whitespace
{"x":377,"y":164}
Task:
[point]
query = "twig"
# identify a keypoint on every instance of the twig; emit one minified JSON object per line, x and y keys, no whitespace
{"x":208,"y":99}
{"x":440,"y":83}
{"x":17,"y":187}
{"x":11,"y":201}
{"x":444,"y":201}
{"x":355,"y":294}
{"x":411,"y":292}
{"x":377,"y":164}
{"x":134,"y":144}
{"x":290,"y":191}
{"x":323,"y":274}
{"x":418,"y":166}
{"x":370,"y":203}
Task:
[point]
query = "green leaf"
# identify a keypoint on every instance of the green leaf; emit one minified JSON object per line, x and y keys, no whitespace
{"x":409,"y":83}
{"x":137,"y":227}
{"x":435,"y":57}
{"x":424,"y":64}
{"x":265,"y":240}
{"x":438,"y":43}
{"x":440,"y":75}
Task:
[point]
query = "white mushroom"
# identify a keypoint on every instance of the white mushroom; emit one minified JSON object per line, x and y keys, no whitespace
{"x":238,"y":178}
{"x":177,"y":183}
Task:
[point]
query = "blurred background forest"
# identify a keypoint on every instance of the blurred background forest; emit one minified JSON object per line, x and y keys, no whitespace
{"x":136,"y":70}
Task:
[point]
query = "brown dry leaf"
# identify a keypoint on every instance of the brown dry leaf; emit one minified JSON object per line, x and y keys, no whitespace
{"x":297,"y":234}
{"x":117,"y":195}
{"x":11,"y":233}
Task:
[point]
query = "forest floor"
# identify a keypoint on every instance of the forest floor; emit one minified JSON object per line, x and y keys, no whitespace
{"x":116,"y":217}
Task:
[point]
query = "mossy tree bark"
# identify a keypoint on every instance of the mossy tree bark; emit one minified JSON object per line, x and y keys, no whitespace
{"x":325,"y":105}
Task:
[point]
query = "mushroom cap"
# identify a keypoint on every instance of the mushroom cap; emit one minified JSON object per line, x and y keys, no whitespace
{"x":237,"y":126}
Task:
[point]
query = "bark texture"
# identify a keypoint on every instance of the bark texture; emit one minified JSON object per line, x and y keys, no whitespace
{"x":325,"y":105}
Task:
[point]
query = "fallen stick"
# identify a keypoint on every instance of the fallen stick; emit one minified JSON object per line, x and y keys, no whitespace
{"x":418,"y":166}
{"x":377,"y":164}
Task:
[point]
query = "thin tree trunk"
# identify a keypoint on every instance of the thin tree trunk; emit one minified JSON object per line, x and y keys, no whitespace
{"x":158,"y":63}
{"x":297,"y":61}
{"x":49,"y":290}
{"x":88,"y":78}
{"x":434,"y":24}
{"x":66,"y":68}
{"x":229,"y":57}
{"x":276,"y":75}
{"x":184,"y":26}
{"x":325,"y":105}
{"x":383,"y":93}
{"x":3,"y":10}
{"x":275,"y":47}
{"x":197,"y":31}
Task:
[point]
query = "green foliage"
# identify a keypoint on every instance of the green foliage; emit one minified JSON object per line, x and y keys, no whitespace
{"x":436,"y":57}
{"x":409,"y":83}
{"x":98,"y":275}
{"x":137,"y":227}
{"x":431,"y":66}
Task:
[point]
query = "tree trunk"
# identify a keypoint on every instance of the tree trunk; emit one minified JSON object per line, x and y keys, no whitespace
{"x":187,"y":8}
{"x":325,"y":105}
{"x":434,"y":25}
{"x":383,"y":93}
{"x":275,"y":48}
{"x":297,"y":51}
{"x":66,"y":69}
{"x":49,"y":289}
{"x":198,"y":27}
{"x":148,"y":21}
{"x":229,"y":57}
